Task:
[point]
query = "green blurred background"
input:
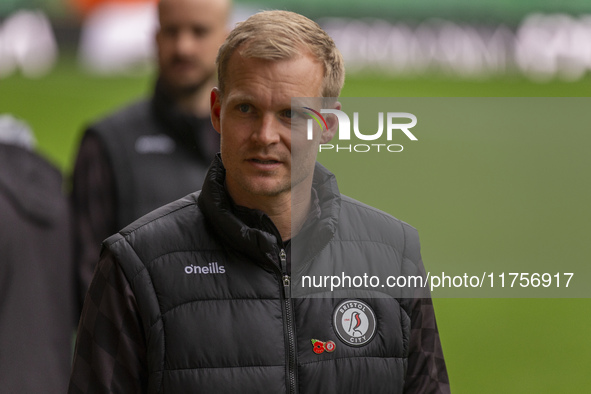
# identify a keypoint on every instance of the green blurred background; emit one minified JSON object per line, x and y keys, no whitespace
{"x":495,"y":345}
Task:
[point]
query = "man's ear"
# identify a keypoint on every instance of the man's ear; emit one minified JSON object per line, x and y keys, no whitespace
{"x":333,"y":125}
{"x":215,"y":101}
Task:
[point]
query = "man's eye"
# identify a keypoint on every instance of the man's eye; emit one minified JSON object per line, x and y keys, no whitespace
{"x":200,"y":31}
{"x":291,"y":114}
{"x":170,"y":31}
{"x":244,"y":108}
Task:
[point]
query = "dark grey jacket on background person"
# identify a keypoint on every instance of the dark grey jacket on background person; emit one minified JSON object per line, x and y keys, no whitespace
{"x":37,"y":292}
{"x":197,"y":297}
{"x":135,"y":160}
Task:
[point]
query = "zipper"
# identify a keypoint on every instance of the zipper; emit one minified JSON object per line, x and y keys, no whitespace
{"x":290,"y":327}
{"x":286,"y":277}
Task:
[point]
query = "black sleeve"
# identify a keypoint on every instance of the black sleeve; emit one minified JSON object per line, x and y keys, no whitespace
{"x":426,"y":371}
{"x":110,"y":354}
{"x":93,"y":202}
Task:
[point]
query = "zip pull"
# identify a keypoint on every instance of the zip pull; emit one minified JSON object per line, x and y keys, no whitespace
{"x":286,"y":278}
{"x":287,"y":286}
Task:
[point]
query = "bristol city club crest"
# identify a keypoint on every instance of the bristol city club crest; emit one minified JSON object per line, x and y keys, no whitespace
{"x":354,"y":322}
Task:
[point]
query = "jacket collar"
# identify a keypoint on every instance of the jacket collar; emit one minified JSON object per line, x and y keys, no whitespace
{"x":253,"y":233}
{"x":194,"y":133}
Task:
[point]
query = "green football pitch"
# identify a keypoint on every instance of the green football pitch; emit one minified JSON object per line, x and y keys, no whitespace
{"x":485,"y":201}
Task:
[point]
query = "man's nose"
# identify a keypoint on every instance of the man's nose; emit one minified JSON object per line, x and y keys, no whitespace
{"x":268,"y":130}
{"x":185,"y":43}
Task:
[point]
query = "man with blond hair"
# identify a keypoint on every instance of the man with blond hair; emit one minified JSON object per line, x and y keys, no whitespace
{"x":202,"y":295}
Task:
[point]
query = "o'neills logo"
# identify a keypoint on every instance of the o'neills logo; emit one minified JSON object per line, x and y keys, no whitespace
{"x":212,"y":268}
{"x":354,"y":322}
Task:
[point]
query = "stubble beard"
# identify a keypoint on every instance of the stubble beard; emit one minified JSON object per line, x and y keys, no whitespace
{"x":184,"y":90}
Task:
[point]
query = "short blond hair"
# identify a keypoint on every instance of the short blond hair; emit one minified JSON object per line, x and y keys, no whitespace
{"x":278,"y":35}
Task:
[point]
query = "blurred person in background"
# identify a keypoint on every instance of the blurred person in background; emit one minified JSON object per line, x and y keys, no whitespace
{"x":37,"y":292}
{"x":27,"y":43}
{"x":157,"y":149}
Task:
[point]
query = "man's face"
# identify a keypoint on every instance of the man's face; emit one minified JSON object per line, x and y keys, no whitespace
{"x":254,"y":120}
{"x":191,"y":31}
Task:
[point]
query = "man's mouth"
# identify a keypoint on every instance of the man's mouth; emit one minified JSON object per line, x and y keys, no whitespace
{"x":181,"y":60}
{"x":264,"y":161}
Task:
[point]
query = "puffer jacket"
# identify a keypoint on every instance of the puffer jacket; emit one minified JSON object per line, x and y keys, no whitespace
{"x":222,"y":312}
{"x":157,"y":154}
